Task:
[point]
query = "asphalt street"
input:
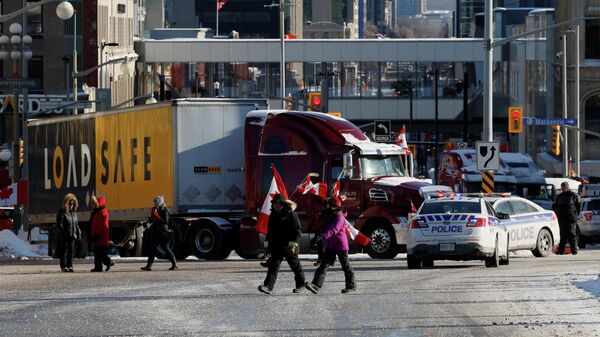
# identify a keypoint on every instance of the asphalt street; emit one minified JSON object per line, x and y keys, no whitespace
{"x":530,"y":297}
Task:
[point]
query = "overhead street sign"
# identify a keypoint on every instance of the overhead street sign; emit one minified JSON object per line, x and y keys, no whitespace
{"x":383,"y":129}
{"x":20,"y":83}
{"x":488,"y":156}
{"x":550,"y":121}
{"x":55,"y":105}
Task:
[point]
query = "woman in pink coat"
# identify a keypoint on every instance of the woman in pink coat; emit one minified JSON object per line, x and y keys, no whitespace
{"x":336,"y":244}
{"x":100,"y":234}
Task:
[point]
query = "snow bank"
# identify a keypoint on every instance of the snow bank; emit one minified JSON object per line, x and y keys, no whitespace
{"x":12,"y":247}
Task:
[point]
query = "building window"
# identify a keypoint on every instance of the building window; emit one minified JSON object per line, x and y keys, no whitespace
{"x":592,"y":39}
{"x":592,"y":116}
{"x":35,"y":69}
{"x":34,"y":19}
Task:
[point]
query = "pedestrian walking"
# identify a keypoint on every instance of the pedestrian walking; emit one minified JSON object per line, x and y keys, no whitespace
{"x":67,"y":231}
{"x":216,"y":86}
{"x":567,"y":207}
{"x":283,"y":235}
{"x":336,"y":245}
{"x":100,"y":234}
{"x":160,"y":234}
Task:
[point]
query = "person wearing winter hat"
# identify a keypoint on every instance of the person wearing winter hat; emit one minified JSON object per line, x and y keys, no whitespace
{"x":336,"y":244}
{"x":66,"y":231}
{"x":160,"y":233}
{"x":283,"y":235}
{"x":100,"y":234}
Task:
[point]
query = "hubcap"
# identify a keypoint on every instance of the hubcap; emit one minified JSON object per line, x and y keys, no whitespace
{"x":545,"y":242}
{"x":204,"y":241}
{"x":380,"y":240}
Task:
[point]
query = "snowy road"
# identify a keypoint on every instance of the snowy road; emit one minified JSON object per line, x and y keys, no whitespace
{"x":530,"y":297}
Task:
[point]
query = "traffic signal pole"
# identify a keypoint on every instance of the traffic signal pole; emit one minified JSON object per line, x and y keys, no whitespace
{"x":565,"y":106}
{"x":488,"y":75}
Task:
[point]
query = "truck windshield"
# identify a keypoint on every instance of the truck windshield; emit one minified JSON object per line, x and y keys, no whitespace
{"x":381,"y":166}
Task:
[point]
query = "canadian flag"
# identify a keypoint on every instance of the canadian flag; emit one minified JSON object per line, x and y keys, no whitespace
{"x":413,"y":209}
{"x":356,"y":236}
{"x":401,"y":141}
{"x":220,"y":4}
{"x":335,"y":192}
{"x":277,"y":187}
{"x":15,"y":194}
{"x":319,"y":189}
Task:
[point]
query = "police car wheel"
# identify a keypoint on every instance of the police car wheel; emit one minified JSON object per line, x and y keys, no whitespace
{"x":505,"y":261}
{"x":413,"y":262}
{"x":494,"y":260}
{"x":544,"y":244}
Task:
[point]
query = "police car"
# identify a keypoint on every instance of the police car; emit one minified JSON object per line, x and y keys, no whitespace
{"x":529,"y":225}
{"x":459,"y":228}
{"x":589,"y":221}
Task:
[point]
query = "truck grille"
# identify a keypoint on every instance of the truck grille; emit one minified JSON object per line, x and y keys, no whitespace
{"x":377,"y":195}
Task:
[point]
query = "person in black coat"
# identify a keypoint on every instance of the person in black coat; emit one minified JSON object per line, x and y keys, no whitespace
{"x":283,"y":235}
{"x":567,"y":207}
{"x":67,"y":231}
{"x":160,"y":233}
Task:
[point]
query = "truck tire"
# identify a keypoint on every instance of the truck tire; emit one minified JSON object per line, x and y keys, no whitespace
{"x":543,"y":244}
{"x":383,"y":240}
{"x":207,"y":241}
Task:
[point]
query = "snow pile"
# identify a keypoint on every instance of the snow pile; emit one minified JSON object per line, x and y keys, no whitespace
{"x":12,"y":247}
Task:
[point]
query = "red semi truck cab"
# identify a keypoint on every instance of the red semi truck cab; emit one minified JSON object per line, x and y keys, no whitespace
{"x":373,"y":176}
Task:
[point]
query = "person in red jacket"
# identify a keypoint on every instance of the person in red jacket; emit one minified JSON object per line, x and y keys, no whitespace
{"x":100,"y":234}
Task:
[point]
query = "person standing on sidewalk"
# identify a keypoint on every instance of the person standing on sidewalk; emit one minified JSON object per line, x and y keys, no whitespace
{"x":100,"y":234}
{"x":336,"y":244}
{"x":67,"y":231}
{"x":567,"y":207}
{"x":283,"y":235}
{"x":160,"y":234}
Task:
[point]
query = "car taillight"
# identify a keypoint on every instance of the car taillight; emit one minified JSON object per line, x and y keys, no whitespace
{"x":478,"y":222}
{"x":417,"y":223}
{"x":587,"y":216}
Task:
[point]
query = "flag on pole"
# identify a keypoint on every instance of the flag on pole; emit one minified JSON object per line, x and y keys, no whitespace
{"x":277,"y":187}
{"x":401,"y":141}
{"x":220,"y":4}
{"x":319,"y":189}
{"x":356,"y":236}
{"x":306,"y":185}
{"x":335,"y":192}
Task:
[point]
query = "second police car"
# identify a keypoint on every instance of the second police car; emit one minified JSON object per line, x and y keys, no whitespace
{"x":588,"y":224}
{"x":524,"y":224}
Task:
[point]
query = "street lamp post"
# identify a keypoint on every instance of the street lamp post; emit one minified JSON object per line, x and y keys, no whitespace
{"x":565,"y":106}
{"x":282,"y":47}
{"x":103,"y":45}
{"x":65,"y":11}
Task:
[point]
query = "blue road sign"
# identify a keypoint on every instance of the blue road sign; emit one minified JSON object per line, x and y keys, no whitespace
{"x":550,"y":121}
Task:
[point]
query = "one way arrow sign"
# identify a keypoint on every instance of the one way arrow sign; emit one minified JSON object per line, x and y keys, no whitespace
{"x":488,"y":156}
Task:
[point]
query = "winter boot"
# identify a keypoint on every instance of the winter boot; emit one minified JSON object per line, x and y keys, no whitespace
{"x":312,"y":287}
{"x":265,"y":289}
{"x":146,"y":268}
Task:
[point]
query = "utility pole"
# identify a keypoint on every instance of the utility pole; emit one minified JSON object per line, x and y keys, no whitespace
{"x":488,"y":103}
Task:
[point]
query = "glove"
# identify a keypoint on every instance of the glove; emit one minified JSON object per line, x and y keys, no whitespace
{"x":293,"y":247}
{"x":266,"y":244}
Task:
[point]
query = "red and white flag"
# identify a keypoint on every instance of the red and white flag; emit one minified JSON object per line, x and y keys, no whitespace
{"x":401,"y":141}
{"x":335,"y":192}
{"x":15,"y":194}
{"x":220,"y":4}
{"x":356,"y":236}
{"x":277,"y":187}
{"x":413,"y":209}
{"x":319,"y":189}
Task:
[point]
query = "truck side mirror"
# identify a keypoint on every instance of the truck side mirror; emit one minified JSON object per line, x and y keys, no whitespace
{"x":348,"y":164}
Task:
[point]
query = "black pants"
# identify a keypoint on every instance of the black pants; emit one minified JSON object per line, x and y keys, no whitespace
{"x":66,"y":248}
{"x":164,"y":246}
{"x":329,"y":257}
{"x":277,"y":256}
{"x":568,"y":232}
{"x":101,"y":257}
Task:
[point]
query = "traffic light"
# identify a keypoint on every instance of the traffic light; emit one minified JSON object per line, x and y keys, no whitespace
{"x":515,"y":119}
{"x":21,"y":152}
{"x":314,"y":101}
{"x":556,"y":139}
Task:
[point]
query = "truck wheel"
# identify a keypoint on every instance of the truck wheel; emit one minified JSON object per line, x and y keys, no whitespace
{"x":383,"y":240}
{"x":207,"y":241}
{"x":494,"y":260}
{"x":413,"y":262}
{"x":544,"y":244}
